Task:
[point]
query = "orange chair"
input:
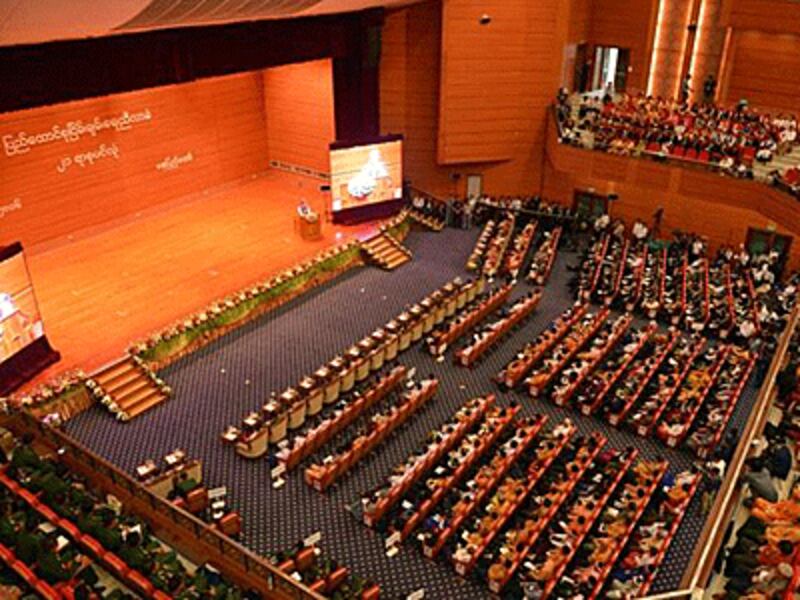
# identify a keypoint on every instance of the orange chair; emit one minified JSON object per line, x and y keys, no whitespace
{"x":47,"y":513}
{"x":231,"y":524}
{"x":70,"y":528}
{"x":304,"y":559}
{"x":25,"y":572}
{"x":287,"y":566}
{"x":6,"y":555}
{"x":197,"y":500}
{"x":93,"y":545}
{"x":336,"y":579}
{"x":141,"y":582}
{"x":372,"y":593}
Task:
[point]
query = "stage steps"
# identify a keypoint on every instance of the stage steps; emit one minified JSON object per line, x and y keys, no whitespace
{"x":386,"y":252}
{"x":431,"y":223}
{"x":128,"y":389}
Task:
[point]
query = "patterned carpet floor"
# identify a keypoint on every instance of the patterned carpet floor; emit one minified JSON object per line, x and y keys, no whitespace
{"x":220,"y":384}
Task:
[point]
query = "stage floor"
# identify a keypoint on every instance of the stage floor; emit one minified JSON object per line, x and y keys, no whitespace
{"x":99,"y":292}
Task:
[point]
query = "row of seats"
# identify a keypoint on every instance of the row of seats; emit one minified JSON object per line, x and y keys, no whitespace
{"x":721,"y":402}
{"x":475,"y":259}
{"x":677,"y":388}
{"x":462,"y":501}
{"x":496,"y":250}
{"x":556,"y":467}
{"x":415,"y":505}
{"x":288,"y":411}
{"x":596,"y":556}
{"x":430,"y":221}
{"x":591,"y":265}
{"x":719,"y":366}
{"x":548,"y":562}
{"x":663,"y":373}
{"x":309,"y":565}
{"x":376,"y":503}
{"x":544,"y":257}
{"x":587,"y":360}
{"x":516,"y":254}
{"x":120,"y":541}
{"x":657,"y":528}
{"x":467,"y":318}
{"x":690,"y":388}
{"x":539,"y":503}
{"x":511,"y":317}
{"x":316,"y":433}
{"x":607,"y":277}
{"x":369,"y":436}
{"x":31,"y":546}
{"x":564,"y":351}
{"x":729,"y":137}
{"x":490,"y":249}
{"x":513,"y":373}
{"x":592,"y":392}
{"x":733,"y":295}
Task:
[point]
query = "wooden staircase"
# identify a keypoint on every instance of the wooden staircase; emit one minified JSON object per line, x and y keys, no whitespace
{"x":386,"y":252}
{"x":132,"y":389}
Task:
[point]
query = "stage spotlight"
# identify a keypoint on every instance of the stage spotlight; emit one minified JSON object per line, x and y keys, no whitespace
{"x":485,"y":19}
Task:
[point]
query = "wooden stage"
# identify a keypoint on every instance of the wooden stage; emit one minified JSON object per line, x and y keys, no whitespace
{"x":101,"y":291}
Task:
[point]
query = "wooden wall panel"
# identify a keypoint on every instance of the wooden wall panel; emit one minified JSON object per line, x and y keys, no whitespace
{"x":195,"y":136}
{"x":710,"y":45}
{"x":409,"y":91}
{"x":300,"y":113}
{"x":779,"y":16}
{"x":580,"y":20}
{"x":627,"y":24}
{"x":497,"y":79}
{"x":763,"y":68}
{"x":670,"y":47}
{"x":721,"y":208}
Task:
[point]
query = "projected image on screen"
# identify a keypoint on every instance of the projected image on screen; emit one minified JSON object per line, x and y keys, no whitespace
{"x":20,"y":323}
{"x":370,"y":174}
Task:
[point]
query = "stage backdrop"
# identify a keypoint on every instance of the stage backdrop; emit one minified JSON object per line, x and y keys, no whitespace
{"x":70,"y":166}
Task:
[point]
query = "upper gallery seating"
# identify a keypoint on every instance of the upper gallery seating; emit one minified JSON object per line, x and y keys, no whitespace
{"x":729,"y":138}
{"x":788,"y":179}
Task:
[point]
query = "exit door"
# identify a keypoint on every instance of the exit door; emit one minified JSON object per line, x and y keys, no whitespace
{"x":611,"y":68}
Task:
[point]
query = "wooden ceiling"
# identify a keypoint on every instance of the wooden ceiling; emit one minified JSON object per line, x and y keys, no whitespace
{"x":26,"y":22}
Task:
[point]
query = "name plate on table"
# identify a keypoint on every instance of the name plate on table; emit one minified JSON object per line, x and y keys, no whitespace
{"x":393,"y":539}
{"x":278,"y":471}
{"x":418,"y":595}
{"x":313,"y":539}
{"x":217,"y":492}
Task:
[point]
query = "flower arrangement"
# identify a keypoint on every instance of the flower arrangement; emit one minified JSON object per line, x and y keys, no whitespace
{"x":222,"y":316}
{"x":64,"y":394}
